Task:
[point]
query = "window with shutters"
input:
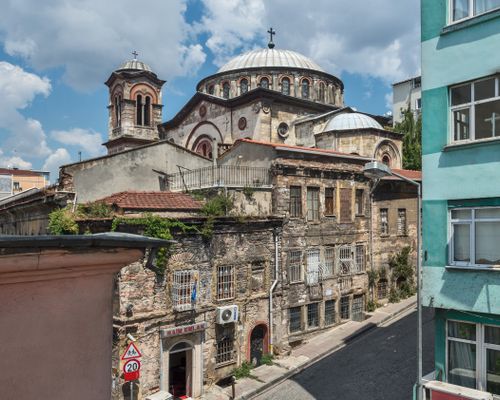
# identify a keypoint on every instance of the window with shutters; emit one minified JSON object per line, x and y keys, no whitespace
{"x":225,"y":283}
{"x":384,"y":221}
{"x":313,"y":261}
{"x":312,"y":204}
{"x":329,"y":202}
{"x":345,"y":205}
{"x":402,"y":221}
{"x":359,"y":202}
{"x":295,"y":201}
{"x":295,"y":266}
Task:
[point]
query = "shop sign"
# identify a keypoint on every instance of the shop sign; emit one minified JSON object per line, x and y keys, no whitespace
{"x":182,"y":330}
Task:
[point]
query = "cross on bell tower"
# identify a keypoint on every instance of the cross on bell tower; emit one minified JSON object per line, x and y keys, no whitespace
{"x":271,"y":34}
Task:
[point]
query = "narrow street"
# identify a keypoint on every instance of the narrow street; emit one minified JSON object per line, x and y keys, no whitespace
{"x":380,"y":365}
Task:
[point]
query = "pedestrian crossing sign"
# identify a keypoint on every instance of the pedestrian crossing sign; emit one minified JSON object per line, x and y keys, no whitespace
{"x":131,"y":352}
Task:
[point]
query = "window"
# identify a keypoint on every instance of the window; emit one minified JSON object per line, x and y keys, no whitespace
{"x":358,"y":308}
{"x":475,"y":234}
{"x":418,"y":104}
{"x":470,"y":8}
{"x":305,"y":89}
{"x":225,"y":90}
{"x":295,"y":319}
{"x":225,"y":282}
{"x":295,"y":266}
{"x":118,"y":110}
{"x":225,"y":343}
{"x":139,"y":109}
{"x":382,"y":289}
{"x":312,"y":262}
{"x":417,"y":82}
{"x":346,"y":259}
{"x":473,"y":356}
{"x":329,"y":312}
{"x":147,"y":112}
{"x":17,"y":186}
{"x":312,"y":204}
{"x":313,"y":315}
{"x":401,"y":221}
{"x":329,"y":261}
{"x":243,"y":86}
{"x":360,"y":257}
{"x":182,"y":290}
{"x":143,"y":110}
{"x":345,"y":308}
{"x":211,"y":89}
{"x":345,"y":205}
{"x":285,"y":86}
{"x":264,"y":83}
{"x":321,"y":92}
{"x":475,"y":110}
{"x":295,"y":201}
{"x":359,"y":202}
{"x":384,"y":221}
{"x":329,"y":201}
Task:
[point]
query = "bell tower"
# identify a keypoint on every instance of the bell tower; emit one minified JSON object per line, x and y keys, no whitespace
{"x":135,"y":106}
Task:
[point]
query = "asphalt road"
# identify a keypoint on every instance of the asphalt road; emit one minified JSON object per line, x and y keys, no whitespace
{"x":380,"y":365}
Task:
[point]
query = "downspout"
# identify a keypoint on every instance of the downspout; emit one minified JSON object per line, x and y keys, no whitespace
{"x":372,"y":191}
{"x":271,"y":290}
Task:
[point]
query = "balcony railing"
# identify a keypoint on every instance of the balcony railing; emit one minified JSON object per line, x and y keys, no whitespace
{"x":220,"y":176}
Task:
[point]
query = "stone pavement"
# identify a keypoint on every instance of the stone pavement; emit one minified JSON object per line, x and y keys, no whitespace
{"x":315,"y":348}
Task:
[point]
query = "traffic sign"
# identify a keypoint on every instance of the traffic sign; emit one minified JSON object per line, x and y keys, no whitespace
{"x":131,"y":370}
{"x":131,"y":352}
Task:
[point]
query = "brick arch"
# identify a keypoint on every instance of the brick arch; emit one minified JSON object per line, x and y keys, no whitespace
{"x":145,"y":90}
{"x":265,"y":346}
{"x":389,"y":149}
{"x":193,"y":131}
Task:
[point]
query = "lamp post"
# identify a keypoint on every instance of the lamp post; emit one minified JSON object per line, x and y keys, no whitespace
{"x":377,"y":170}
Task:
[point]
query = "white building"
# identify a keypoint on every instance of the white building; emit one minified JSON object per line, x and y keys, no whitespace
{"x":406,"y":94}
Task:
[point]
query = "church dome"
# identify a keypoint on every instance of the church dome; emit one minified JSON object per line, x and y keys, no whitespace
{"x":270,"y":58}
{"x":348,"y":121}
{"x":135,"y":65}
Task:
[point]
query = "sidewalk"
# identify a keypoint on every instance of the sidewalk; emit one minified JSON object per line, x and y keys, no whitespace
{"x":308,"y":353}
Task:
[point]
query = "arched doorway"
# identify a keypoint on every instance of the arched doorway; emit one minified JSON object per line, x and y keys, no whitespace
{"x":258,"y":344}
{"x":180,"y":367}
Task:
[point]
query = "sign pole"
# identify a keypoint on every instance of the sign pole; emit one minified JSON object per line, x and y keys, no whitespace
{"x":131,"y":390}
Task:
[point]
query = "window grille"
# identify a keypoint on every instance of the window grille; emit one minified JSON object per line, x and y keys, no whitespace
{"x":358,"y":307}
{"x":313,"y":260}
{"x":182,"y":290}
{"x":381,"y":289}
{"x":295,"y":201}
{"x":359,"y":202}
{"x":225,"y":344}
{"x":345,"y":309}
{"x":329,"y":201}
{"x":295,"y":319}
{"x":345,"y":259}
{"x":295,"y":266}
{"x":360,"y":257}
{"x":313,"y":315}
{"x":384,"y":221}
{"x":402,"y":221}
{"x":225,"y":282}
{"x":329,"y":312}
{"x":329,"y":261}
{"x":345,"y":283}
{"x":312,"y":204}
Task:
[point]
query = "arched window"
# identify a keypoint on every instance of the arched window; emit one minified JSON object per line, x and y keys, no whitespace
{"x":285,"y":86}
{"x":225,"y":90}
{"x":118,"y":111}
{"x":204,"y":148}
{"x":139,"y":110}
{"x":147,"y":111}
{"x":143,"y":110}
{"x":321,"y":92}
{"x":264,"y":83}
{"x":211,"y":89}
{"x":243,"y":86}
{"x":386,"y":160}
{"x":305,"y":89}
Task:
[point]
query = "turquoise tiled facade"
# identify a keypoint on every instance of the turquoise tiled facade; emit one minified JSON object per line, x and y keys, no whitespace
{"x":455,"y":175}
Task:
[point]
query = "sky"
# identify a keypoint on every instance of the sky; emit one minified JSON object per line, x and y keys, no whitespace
{"x":55,"y":56}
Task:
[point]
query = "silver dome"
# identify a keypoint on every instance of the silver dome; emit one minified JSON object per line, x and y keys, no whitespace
{"x":347,"y":121}
{"x":135,"y":65}
{"x":270,"y":58}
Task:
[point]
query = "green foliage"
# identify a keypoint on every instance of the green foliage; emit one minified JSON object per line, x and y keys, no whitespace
{"x":412,"y":140}
{"x":94,"y":210}
{"x":219,"y":205}
{"x":248,"y":192}
{"x":382,"y":273}
{"x":372,"y":306}
{"x":402,"y":274}
{"x":62,"y":222}
{"x":372,"y":277}
{"x":243,"y":371}
{"x":267,"y":359}
{"x":394,"y":296}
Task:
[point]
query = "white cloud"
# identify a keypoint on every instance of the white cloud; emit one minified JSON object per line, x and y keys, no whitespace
{"x":14,"y":162}
{"x":377,"y":38}
{"x":89,"y":141}
{"x":91,"y":38}
{"x":54,"y":161}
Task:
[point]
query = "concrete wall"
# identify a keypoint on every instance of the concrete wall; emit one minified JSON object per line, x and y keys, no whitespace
{"x":404,"y":96}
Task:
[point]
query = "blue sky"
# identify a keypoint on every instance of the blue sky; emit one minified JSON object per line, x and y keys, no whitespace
{"x":55,"y":56}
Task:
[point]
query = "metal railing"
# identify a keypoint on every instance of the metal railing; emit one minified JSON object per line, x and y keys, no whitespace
{"x":220,"y":176}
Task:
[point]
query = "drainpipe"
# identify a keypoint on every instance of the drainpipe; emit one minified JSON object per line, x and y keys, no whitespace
{"x":372,"y":191}
{"x":273,"y":286}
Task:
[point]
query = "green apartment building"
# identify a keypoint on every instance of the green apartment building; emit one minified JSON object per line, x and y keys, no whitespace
{"x":461,"y":191}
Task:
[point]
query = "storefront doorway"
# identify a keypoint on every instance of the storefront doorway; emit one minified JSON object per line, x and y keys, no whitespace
{"x":258,"y":344}
{"x":180,"y":367}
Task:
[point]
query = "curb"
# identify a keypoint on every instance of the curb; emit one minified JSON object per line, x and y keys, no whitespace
{"x":350,"y":339}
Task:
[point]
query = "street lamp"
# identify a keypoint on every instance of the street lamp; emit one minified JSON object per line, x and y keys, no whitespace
{"x":377,"y":170}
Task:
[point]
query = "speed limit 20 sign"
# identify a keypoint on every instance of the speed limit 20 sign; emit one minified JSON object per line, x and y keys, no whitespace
{"x":131,"y":370}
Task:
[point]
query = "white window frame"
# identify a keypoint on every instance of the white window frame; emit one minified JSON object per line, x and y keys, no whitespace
{"x":471,"y":106}
{"x":313,"y":266}
{"x":225,"y":278}
{"x":472,"y":233}
{"x":295,"y":276}
{"x":182,"y":289}
{"x":402,"y":222}
{"x":329,"y":261}
{"x":481,"y":351}
{"x":469,"y":16}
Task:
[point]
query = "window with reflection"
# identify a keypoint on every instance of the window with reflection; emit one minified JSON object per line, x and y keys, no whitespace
{"x":264,"y":83}
{"x":285,"y":86}
{"x":305,"y":89}
{"x":243,"y":86}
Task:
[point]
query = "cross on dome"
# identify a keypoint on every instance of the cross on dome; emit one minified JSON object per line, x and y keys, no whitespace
{"x":135,"y":54}
{"x":271,"y":34}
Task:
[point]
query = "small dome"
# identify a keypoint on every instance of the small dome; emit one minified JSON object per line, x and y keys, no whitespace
{"x":270,"y":58}
{"x":347,"y":121}
{"x":135,"y":65}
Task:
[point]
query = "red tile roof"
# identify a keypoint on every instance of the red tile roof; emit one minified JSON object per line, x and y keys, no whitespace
{"x":152,"y":201}
{"x":308,"y":149}
{"x":409,"y":173}
{"x":19,"y":172}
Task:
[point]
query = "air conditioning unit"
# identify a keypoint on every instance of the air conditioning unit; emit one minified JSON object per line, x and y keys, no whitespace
{"x":226,"y":314}
{"x":446,"y":391}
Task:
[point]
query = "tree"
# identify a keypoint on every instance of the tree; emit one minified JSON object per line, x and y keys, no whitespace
{"x":412,"y":140}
